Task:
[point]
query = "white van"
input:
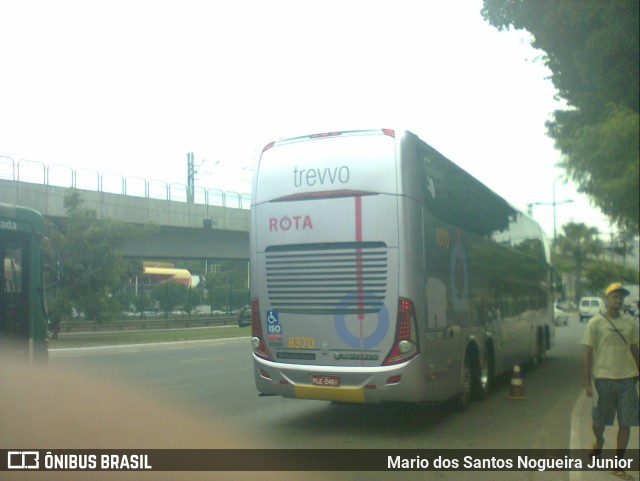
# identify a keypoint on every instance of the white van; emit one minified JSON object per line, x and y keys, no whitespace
{"x":589,"y":307}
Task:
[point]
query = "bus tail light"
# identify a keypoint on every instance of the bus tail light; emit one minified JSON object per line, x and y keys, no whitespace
{"x":268,"y":146}
{"x":257,"y":342}
{"x":405,"y":344}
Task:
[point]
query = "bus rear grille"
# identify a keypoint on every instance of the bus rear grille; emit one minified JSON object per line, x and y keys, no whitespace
{"x":329,"y":279}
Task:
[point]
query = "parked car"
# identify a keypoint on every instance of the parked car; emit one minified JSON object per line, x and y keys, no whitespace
{"x":244,"y":316}
{"x":632,"y":308}
{"x":589,"y":307}
{"x":560,"y":316}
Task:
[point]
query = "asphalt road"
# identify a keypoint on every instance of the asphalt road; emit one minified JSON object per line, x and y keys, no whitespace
{"x":212,"y":381}
{"x":215,"y":379}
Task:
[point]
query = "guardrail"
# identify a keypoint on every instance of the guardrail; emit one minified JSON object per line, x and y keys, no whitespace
{"x":144,"y":324}
{"x":35,"y":172}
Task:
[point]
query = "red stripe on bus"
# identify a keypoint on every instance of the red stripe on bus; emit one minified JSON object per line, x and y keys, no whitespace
{"x":359,"y":270}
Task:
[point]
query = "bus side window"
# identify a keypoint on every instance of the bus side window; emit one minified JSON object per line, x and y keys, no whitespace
{"x":12,"y":301}
{"x":13,"y":270}
{"x":436,"y":294}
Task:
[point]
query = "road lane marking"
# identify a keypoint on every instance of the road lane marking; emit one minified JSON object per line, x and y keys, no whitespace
{"x":94,"y":350}
{"x":202,"y":359}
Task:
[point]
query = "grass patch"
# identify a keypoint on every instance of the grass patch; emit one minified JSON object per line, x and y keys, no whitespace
{"x":141,"y":337}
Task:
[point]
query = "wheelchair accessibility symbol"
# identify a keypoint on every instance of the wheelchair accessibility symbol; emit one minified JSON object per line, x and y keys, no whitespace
{"x":274,"y":329}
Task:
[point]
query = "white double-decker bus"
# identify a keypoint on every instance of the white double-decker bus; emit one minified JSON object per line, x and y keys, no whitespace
{"x":381,"y":271}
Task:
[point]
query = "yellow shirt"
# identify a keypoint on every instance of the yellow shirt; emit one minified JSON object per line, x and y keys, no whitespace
{"x":612,"y":358}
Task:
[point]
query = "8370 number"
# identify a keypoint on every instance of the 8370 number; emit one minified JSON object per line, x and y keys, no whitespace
{"x":301,"y":342}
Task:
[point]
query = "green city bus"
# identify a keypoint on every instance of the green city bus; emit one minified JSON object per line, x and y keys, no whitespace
{"x":23,"y":316}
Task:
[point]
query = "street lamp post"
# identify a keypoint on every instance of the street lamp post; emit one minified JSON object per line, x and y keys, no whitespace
{"x":553,"y":204}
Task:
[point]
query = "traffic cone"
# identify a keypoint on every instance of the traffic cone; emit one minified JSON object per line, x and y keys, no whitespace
{"x":516,"y":391}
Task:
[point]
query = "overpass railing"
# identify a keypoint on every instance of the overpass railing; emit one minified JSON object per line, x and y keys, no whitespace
{"x":31,"y":171}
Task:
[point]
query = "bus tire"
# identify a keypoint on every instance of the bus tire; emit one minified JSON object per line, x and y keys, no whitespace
{"x":463,"y":400}
{"x":484,"y":378}
{"x":539,"y":349}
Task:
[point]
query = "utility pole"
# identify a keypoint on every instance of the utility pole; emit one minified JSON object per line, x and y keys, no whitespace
{"x":191,"y":178}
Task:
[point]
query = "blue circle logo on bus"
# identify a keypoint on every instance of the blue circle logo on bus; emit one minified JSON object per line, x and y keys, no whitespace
{"x":458,"y":277}
{"x":373,"y":339}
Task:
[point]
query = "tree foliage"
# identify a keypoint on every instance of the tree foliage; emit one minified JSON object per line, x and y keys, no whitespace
{"x":170,"y":295}
{"x":600,"y":274}
{"x":227,"y":287}
{"x":592,"y":50}
{"x":578,"y":242}
{"x":603,"y":159}
{"x":87,"y":267}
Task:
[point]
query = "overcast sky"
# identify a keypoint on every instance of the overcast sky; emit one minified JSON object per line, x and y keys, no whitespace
{"x":132,"y":86}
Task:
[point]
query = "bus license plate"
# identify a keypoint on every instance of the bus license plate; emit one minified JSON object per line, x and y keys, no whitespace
{"x":319,"y":380}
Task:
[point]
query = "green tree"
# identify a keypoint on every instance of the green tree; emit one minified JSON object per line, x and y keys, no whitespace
{"x":603,"y":160}
{"x":592,"y":49}
{"x":599,"y":274}
{"x":623,"y":245}
{"x":170,"y":295}
{"x":87,"y":269}
{"x":578,"y":242}
{"x":227,"y":286}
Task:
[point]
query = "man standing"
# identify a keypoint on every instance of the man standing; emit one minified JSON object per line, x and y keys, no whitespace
{"x":611,"y":359}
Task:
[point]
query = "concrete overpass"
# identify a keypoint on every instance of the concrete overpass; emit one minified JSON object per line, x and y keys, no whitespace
{"x":187,"y":230}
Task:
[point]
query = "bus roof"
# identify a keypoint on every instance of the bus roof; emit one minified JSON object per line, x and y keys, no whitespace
{"x":19,"y":218}
{"x":333,"y":133}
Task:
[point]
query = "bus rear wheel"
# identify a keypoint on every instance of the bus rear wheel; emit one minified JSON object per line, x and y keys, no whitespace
{"x":539,"y":352}
{"x":463,"y":400}
{"x":484,"y":375}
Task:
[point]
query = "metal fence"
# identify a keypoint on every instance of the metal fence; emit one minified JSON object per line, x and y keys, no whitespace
{"x":35,"y":172}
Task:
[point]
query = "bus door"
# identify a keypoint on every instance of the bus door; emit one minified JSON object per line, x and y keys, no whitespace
{"x":14,"y":302}
{"x":446,"y":284}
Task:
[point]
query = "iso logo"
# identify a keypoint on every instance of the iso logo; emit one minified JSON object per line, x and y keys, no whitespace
{"x":23,"y":460}
{"x":274,"y":329}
